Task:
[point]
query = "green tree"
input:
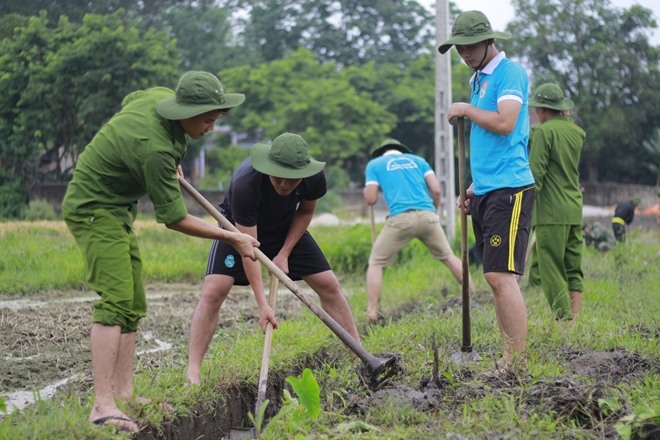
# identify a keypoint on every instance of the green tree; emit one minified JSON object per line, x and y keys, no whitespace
{"x":301,"y":95}
{"x":347,"y":32}
{"x":206,"y":39}
{"x":652,"y":146}
{"x":601,"y":56}
{"x":61,"y":84}
{"x":75,"y":10}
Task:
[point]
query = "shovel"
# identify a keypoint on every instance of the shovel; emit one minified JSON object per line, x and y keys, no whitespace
{"x":467,"y":353}
{"x":377,"y":369}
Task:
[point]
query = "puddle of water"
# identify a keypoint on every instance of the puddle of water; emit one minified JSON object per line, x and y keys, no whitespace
{"x":162,"y":346}
{"x":18,"y":304}
{"x":19,"y":399}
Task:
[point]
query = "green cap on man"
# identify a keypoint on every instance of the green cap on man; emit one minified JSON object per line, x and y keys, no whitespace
{"x":389,"y":144}
{"x":471,"y":27}
{"x":287,"y":158}
{"x":197,"y":93}
{"x":550,"y":96}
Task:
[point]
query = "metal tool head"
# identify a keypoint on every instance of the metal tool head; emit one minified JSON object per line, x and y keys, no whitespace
{"x":381,"y":367}
{"x":466,"y":356}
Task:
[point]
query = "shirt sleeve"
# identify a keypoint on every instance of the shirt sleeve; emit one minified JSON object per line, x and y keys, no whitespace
{"x":245,"y":200}
{"x":539,"y":156}
{"x":163,"y":187}
{"x":513,"y":84}
{"x":316,"y":187}
{"x":371,"y":177}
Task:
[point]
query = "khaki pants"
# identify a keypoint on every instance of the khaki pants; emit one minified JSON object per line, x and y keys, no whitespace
{"x":400,"y":229}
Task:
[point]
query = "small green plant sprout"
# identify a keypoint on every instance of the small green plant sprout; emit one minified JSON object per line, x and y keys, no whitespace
{"x":308,"y":391}
{"x":357,"y":426}
{"x":609,"y":405}
{"x":260,"y":416}
{"x":641,"y":422}
{"x":295,"y":417}
{"x":3,"y":407}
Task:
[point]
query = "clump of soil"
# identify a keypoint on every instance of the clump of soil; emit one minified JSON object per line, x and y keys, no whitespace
{"x":612,"y":366}
{"x":593,"y":375}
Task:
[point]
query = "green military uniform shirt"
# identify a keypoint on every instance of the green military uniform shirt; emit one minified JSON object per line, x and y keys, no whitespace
{"x":136,"y":153}
{"x":555,"y":148}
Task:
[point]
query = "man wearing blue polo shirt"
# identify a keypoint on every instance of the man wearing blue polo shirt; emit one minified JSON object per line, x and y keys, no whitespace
{"x":502,"y":193}
{"x":413,"y":195}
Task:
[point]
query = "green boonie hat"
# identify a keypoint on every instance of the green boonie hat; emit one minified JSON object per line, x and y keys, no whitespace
{"x":636,"y":200}
{"x":197,"y":93}
{"x":389,"y":144}
{"x":287,"y":158}
{"x":550,"y":96}
{"x":471,"y":27}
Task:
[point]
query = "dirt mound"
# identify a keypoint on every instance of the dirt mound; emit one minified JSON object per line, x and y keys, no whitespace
{"x":612,"y":366}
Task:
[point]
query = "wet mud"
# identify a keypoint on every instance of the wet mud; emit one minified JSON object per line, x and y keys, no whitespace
{"x":45,"y":338}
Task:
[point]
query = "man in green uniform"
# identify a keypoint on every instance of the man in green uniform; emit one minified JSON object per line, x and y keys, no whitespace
{"x":137,"y":152}
{"x":596,"y":236}
{"x":555,"y":150}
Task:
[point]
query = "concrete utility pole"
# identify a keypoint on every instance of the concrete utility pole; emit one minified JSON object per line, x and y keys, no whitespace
{"x":444,"y":139}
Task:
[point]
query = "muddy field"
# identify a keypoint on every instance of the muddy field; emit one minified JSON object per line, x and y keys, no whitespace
{"x":45,"y":346}
{"x":45,"y":338}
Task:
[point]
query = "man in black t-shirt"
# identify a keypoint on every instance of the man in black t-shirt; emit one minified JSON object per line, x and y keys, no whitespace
{"x":624,"y":215}
{"x":272,"y":197}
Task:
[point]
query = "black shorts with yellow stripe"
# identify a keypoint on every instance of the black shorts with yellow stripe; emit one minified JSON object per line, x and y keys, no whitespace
{"x":501,"y":221}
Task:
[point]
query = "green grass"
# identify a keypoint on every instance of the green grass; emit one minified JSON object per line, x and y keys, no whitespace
{"x":621,"y":298}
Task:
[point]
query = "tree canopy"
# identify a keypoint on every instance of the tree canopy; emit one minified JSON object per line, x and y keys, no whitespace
{"x":601,"y":57}
{"x":59,"y":85}
{"x":342,"y":73}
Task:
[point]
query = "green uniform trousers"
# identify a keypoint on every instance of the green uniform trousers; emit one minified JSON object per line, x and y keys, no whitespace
{"x":113,"y":267}
{"x":559,"y":257}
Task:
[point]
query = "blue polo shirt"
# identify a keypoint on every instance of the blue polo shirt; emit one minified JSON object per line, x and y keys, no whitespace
{"x":402,"y":177}
{"x":499,"y":161}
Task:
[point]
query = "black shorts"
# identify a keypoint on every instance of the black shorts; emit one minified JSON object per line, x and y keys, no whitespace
{"x":306,"y":258}
{"x":501,"y":221}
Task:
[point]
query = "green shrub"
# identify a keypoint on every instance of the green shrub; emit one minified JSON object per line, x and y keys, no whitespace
{"x":329,"y":202}
{"x":13,"y":198}
{"x":347,"y":248}
{"x":39,"y":210}
{"x":336,"y":177}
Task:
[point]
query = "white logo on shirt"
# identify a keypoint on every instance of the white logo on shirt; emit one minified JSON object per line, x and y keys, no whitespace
{"x":401,"y":163}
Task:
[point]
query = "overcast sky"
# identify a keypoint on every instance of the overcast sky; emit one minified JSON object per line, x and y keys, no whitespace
{"x":500,"y":12}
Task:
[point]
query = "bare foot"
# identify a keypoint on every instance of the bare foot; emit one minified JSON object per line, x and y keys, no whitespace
{"x":372,"y":315}
{"x":115,"y":417}
{"x":164,"y":405}
{"x":194,"y":378}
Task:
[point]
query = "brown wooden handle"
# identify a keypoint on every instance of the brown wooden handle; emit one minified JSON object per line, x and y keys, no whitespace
{"x":467,"y":338}
{"x":265,"y":358}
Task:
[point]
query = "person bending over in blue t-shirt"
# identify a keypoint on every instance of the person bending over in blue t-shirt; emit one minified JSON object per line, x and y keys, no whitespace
{"x":502,"y":193}
{"x":413,"y":195}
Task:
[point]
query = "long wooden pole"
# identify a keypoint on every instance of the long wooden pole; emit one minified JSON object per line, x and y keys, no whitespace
{"x":467,"y":337}
{"x":373,"y":224}
{"x":265,"y":358}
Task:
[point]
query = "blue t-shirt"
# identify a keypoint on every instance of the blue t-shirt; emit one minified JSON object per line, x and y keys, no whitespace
{"x":402,"y":177}
{"x":499,"y":161}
